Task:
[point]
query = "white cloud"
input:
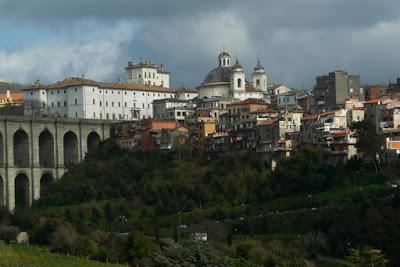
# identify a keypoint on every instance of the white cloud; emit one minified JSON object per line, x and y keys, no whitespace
{"x":95,"y":52}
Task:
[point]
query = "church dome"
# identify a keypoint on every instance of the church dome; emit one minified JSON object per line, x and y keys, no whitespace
{"x":220,"y":74}
{"x":223,"y":54}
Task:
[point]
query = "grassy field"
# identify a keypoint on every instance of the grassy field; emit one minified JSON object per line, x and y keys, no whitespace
{"x":32,"y":256}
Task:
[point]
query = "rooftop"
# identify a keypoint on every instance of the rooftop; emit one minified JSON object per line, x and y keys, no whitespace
{"x":75,"y":81}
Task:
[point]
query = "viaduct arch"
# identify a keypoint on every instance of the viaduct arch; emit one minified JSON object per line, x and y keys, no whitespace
{"x":34,"y":152}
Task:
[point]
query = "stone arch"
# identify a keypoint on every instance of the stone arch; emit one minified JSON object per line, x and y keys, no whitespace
{"x":45,"y":181}
{"x":22,"y":195}
{"x":1,"y":149}
{"x":46,"y":149}
{"x":93,"y":141}
{"x":2,"y":192}
{"x":21,"y":148}
{"x":71,"y":155}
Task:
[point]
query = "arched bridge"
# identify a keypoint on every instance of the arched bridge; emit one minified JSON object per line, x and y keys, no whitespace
{"x":36,"y":151}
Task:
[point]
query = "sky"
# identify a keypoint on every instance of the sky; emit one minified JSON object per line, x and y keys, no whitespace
{"x":296,"y":40}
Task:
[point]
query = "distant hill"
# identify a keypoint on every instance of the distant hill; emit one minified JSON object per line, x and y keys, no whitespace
{"x":10,"y":86}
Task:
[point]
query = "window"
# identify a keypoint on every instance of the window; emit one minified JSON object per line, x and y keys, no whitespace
{"x":31,"y":93}
{"x":112,"y":103}
{"x":94,"y":114}
{"x":106,"y":103}
{"x":52,"y":104}
{"x":143,"y":105}
{"x":94,"y":102}
{"x":134,"y":105}
{"x":179,"y":113}
{"x":107,"y":116}
{"x":76,"y":101}
{"x":76,"y":114}
{"x":125,"y":104}
{"x":100,"y":103}
{"x":119,"y":104}
{"x":154,"y":75}
{"x":145,"y":75}
{"x":75,"y":89}
{"x":140,"y":76}
{"x":258,"y":82}
{"x":58,"y":92}
{"x":65,"y":103}
{"x":239,"y":83}
{"x":58,"y":104}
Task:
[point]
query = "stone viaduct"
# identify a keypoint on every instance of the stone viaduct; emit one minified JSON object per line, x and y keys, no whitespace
{"x":36,"y":151}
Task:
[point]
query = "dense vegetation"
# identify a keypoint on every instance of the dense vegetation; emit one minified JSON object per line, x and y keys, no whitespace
{"x":308,"y":211}
{"x":33,"y":256}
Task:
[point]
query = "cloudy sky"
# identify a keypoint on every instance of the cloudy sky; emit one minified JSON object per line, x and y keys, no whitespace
{"x":296,"y":39}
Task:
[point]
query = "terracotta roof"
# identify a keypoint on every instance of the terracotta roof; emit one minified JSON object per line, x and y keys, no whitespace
{"x":342,"y":133}
{"x":332,"y":112}
{"x":15,"y":96}
{"x":75,"y":81}
{"x":248,"y":101}
{"x":309,"y":117}
{"x":267,"y":122}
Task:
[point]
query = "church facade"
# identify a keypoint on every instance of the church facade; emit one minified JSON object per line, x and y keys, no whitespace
{"x":228,"y":81}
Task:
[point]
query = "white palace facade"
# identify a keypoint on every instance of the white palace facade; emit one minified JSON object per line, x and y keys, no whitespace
{"x":88,"y":99}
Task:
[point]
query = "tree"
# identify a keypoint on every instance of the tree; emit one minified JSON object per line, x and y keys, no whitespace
{"x":138,"y":246}
{"x":367,"y":256}
{"x":109,"y":213}
{"x":63,"y":239}
{"x":95,"y":215}
{"x":369,"y":141}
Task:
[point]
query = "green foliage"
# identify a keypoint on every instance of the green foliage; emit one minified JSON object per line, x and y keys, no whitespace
{"x":8,"y":233}
{"x":19,"y":255}
{"x":367,"y":256}
{"x":138,"y":246}
{"x":189,"y":253}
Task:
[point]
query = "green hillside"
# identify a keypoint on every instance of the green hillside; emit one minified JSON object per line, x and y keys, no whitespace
{"x":32,"y":256}
{"x":145,"y":209}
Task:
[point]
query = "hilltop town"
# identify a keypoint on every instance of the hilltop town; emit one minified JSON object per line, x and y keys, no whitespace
{"x":228,"y":111}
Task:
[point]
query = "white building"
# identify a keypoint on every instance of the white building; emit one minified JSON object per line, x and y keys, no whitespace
{"x":230,"y":81}
{"x":186,"y":93}
{"x":147,"y":73}
{"x":172,"y":109}
{"x":88,"y":99}
{"x":287,"y":99}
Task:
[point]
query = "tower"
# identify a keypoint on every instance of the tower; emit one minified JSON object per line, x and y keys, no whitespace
{"x":238,"y":82}
{"x":224,"y":59}
{"x":259,"y":77}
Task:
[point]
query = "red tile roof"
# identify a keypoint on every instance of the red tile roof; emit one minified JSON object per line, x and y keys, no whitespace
{"x":249,"y":101}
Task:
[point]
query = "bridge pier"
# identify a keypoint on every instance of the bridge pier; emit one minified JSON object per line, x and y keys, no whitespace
{"x":36,"y":151}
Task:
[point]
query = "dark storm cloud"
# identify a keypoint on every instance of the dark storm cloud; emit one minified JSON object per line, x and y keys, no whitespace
{"x":296,"y":39}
